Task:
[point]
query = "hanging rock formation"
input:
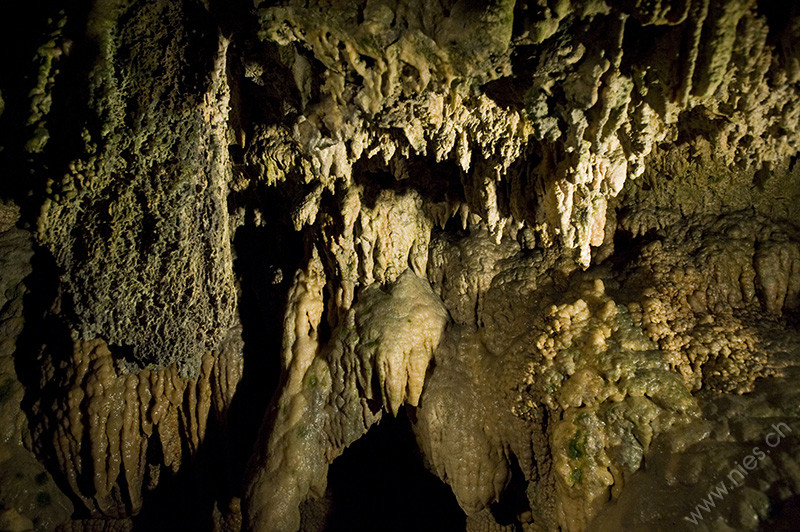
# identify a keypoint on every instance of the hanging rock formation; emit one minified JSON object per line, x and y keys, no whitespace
{"x":559,"y":238}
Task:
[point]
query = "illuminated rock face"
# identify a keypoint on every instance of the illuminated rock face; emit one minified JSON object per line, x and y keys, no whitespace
{"x":559,"y":238}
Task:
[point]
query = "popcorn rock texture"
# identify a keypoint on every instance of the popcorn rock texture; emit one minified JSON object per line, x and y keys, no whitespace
{"x":745,"y":452}
{"x":156,"y":241}
{"x":554,"y":243}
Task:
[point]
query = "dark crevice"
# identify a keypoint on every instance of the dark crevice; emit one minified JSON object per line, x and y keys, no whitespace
{"x":44,"y":335}
{"x":380,"y":483}
{"x":627,"y":247}
{"x":513,"y":501}
{"x":436,"y":183}
{"x":179,"y":501}
{"x":266,"y":258}
{"x":784,"y":515}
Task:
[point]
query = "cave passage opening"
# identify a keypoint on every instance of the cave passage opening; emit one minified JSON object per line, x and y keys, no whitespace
{"x":381,"y":483}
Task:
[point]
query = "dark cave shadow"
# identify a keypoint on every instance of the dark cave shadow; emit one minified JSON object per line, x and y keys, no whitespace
{"x":268,"y":256}
{"x":381,"y":483}
{"x":182,"y":500}
{"x":785,"y":518}
{"x":266,"y":262}
{"x":266,"y":259}
{"x":43,"y":332}
{"x":513,"y":501}
{"x":440,"y":182}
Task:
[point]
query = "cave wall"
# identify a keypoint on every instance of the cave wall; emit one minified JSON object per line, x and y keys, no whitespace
{"x":554,"y":233}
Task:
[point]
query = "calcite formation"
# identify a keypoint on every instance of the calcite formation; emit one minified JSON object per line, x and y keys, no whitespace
{"x":560,"y":238}
{"x":703,"y":461}
{"x":594,"y":365}
{"x":157,"y":241}
{"x":379,"y":355}
{"x":119,"y":418}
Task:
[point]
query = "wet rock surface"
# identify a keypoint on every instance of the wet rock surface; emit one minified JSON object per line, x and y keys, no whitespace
{"x":560,"y":239}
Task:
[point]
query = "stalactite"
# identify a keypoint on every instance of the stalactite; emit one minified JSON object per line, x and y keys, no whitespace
{"x":101,"y":422}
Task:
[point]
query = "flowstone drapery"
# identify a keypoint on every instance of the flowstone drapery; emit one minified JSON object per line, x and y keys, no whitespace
{"x":559,"y":238}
